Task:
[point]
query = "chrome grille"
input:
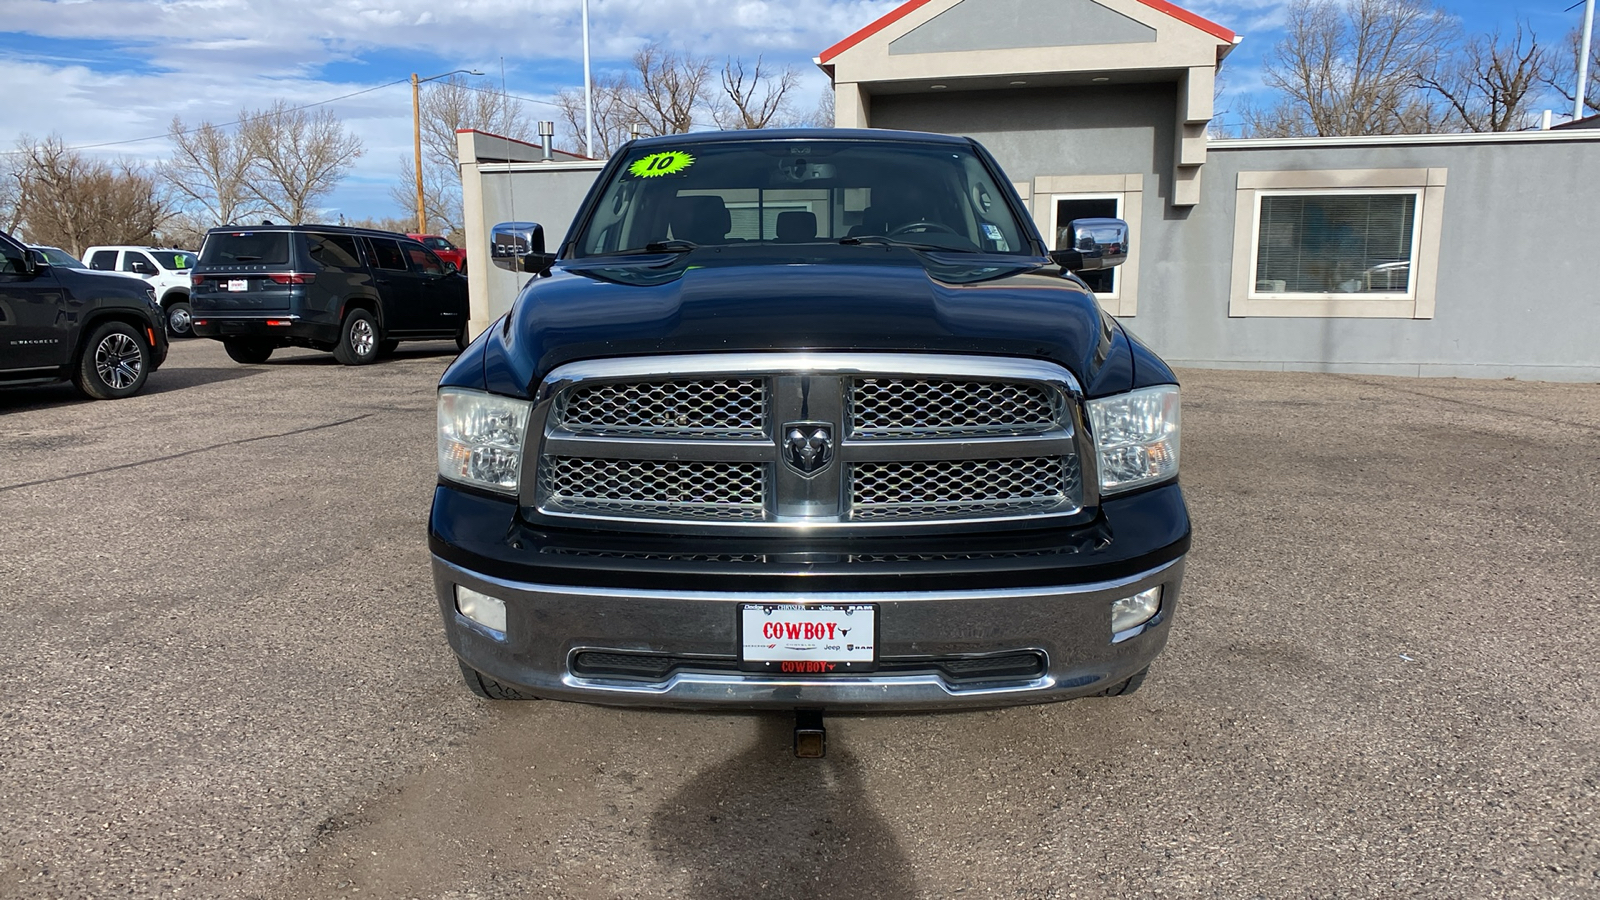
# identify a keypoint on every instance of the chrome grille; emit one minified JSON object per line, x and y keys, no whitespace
{"x":904,"y":408}
{"x":727,"y":408}
{"x":965,"y":487}
{"x":910,"y":438}
{"x":656,"y":488}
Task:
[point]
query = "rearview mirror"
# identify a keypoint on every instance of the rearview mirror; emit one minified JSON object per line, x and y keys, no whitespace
{"x":519,"y":247}
{"x":1092,"y":244}
{"x":142,"y":268}
{"x":449,"y":267}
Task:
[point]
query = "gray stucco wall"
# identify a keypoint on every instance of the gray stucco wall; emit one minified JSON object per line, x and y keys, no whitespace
{"x":549,"y":195}
{"x":1516,"y":292}
{"x":1013,"y":24}
{"x":1115,"y":129}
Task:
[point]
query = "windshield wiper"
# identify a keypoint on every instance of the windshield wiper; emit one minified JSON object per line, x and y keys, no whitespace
{"x":672,"y":246}
{"x":896,"y":242}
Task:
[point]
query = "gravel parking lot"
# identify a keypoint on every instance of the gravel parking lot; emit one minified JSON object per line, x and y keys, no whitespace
{"x":224,"y":676}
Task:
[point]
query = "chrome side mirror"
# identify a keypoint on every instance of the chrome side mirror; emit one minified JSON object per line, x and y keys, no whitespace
{"x":519,"y":247}
{"x":1092,"y":244}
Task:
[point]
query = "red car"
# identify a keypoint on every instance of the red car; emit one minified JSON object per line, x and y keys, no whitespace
{"x":444,"y":249}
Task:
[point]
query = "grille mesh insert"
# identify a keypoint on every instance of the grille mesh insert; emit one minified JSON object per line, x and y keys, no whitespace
{"x":966,"y":487}
{"x":728,"y":408}
{"x":656,"y":488}
{"x":908,"y":408}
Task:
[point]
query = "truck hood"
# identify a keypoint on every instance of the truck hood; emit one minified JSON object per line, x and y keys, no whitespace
{"x":884,"y":299}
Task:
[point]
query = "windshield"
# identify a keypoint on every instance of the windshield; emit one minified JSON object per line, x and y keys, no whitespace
{"x":60,"y":258}
{"x":177,"y":260}
{"x":776,"y":192}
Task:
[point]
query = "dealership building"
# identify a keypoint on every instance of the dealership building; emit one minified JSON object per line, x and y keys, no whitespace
{"x":1435,"y":255}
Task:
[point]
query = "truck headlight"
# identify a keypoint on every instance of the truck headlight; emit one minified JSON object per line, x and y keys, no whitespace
{"x":481,"y":438}
{"x":1135,"y":437}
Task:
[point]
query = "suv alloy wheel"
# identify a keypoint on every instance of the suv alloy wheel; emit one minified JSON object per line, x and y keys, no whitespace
{"x":114,"y":362}
{"x":359,"y":339}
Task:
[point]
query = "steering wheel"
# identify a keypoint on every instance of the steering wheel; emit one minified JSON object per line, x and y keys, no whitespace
{"x":922,"y":225}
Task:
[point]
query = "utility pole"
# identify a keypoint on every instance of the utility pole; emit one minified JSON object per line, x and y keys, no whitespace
{"x":1583,"y":60}
{"x":416,"y":136}
{"x":589,"y":96}
{"x":416,"y":140}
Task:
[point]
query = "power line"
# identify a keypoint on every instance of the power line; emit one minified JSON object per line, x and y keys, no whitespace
{"x":156,"y":137}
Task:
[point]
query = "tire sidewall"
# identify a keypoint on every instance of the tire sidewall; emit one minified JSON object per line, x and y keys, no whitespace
{"x":346,"y":352}
{"x":88,"y":378}
{"x":180,"y":308}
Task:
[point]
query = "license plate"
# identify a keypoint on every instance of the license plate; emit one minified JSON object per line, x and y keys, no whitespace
{"x":238,"y":284}
{"x":809,"y":639}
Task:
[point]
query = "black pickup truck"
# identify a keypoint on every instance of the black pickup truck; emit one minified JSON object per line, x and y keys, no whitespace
{"x":807,"y":420}
{"x":105,"y":333}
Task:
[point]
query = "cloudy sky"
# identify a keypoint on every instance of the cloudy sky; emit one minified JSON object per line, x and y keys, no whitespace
{"x":113,"y":72}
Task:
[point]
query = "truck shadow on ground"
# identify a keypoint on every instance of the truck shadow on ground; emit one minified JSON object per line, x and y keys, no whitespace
{"x":765,"y":824}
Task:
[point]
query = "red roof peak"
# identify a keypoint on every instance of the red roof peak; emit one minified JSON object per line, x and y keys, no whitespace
{"x":910,"y":6}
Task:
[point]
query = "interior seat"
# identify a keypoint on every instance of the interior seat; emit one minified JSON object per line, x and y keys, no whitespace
{"x":796,"y":226}
{"x":701,"y":220}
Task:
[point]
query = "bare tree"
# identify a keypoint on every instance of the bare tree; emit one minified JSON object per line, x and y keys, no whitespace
{"x":184,"y":230}
{"x":758,"y":98}
{"x":1564,"y":72}
{"x":1353,"y":67}
{"x":823,"y":115}
{"x":74,"y":202}
{"x":668,"y":90}
{"x":451,"y":104}
{"x":210,"y":170}
{"x":401,"y":225}
{"x":298,"y":157}
{"x":11,"y":172}
{"x":441,"y":195}
{"x":613,"y":114}
{"x":1488,"y":85}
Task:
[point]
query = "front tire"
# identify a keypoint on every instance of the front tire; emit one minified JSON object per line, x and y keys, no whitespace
{"x":114,"y":362}
{"x":359,"y":339}
{"x":1128,"y":686}
{"x":180,"y":319}
{"x":487,"y":687}
{"x":251,"y":353}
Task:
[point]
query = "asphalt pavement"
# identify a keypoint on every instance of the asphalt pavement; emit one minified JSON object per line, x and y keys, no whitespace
{"x":223,"y":675}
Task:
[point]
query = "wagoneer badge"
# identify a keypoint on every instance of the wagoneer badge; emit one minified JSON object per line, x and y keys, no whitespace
{"x":807,"y":446}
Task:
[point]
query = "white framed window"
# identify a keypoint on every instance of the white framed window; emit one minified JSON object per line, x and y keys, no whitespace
{"x":1339,"y":243}
{"x":1064,"y":209}
{"x":1309,"y":244}
{"x":1059,"y":199}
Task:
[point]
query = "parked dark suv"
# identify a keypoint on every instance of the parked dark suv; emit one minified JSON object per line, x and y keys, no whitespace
{"x":105,"y":333}
{"x":353,"y":291}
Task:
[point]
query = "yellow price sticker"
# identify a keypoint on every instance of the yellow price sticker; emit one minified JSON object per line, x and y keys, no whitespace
{"x":668,"y":162}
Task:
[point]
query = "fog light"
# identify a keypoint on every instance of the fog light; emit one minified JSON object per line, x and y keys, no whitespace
{"x":1131,"y":612}
{"x":481,"y":608}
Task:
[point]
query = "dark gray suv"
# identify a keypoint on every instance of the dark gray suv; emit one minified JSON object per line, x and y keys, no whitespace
{"x":352,"y":291}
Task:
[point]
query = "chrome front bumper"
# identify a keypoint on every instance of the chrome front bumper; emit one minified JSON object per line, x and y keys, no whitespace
{"x":547,"y":625}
